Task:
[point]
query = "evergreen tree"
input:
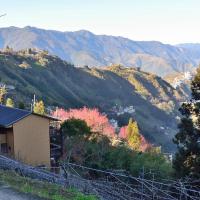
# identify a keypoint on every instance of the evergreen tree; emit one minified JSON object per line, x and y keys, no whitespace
{"x":187,"y":158}
{"x":39,"y":108}
{"x":21,"y":105}
{"x":133,"y":136}
{"x":9,"y":102}
{"x":74,"y":132}
{"x":75,"y":127}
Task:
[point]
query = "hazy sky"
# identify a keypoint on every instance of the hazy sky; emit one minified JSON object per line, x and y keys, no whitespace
{"x":169,"y":21}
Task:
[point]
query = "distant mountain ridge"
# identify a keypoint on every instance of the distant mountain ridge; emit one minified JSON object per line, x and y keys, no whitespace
{"x":85,"y":48}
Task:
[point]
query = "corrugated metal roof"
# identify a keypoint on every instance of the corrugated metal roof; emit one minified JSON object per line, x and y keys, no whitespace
{"x":9,"y":116}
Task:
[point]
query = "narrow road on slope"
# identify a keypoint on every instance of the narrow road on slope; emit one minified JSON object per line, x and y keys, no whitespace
{"x":7,"y":193}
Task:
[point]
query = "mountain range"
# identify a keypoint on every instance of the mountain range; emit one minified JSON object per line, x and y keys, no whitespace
{"x":85,"y":48}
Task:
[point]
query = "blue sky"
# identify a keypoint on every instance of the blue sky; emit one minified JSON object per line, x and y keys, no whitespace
{"x":169,"y":21}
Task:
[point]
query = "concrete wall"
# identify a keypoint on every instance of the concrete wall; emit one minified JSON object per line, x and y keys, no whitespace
{"x":31,"y":140}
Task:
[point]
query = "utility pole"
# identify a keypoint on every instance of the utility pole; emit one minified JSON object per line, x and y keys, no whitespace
{"x":33,"y":103}
{"x":34,"y":100}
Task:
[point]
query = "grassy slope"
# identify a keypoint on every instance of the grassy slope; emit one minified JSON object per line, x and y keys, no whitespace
{"x":59,"y":83}
{"x":41,"y":189}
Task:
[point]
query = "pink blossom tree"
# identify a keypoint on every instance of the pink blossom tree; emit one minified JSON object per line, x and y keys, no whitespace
{"x":123,"y":132}
{"x":94,"y":119}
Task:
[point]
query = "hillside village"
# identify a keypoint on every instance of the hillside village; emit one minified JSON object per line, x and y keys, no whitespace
{"x":187,"y":76}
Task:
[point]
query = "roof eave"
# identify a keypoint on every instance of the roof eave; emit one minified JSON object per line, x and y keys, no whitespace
{"x":46,"y":116}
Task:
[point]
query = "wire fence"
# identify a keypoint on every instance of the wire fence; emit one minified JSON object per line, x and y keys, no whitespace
{"x":113,"y":186}
{"x":109,"y":185}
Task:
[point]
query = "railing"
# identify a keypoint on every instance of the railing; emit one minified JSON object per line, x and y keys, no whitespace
{"x":31,"y":172}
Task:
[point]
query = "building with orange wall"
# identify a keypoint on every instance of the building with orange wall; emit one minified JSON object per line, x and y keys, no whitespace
{"x":25,"y":135}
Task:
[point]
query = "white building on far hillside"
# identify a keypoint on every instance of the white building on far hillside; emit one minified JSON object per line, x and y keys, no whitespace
{"x":187,"y":75}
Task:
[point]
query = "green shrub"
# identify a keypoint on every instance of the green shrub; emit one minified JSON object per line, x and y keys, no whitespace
{"x":99,"y":153}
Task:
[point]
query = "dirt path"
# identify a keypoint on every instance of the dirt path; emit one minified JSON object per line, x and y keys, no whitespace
{"x":6,"y":193}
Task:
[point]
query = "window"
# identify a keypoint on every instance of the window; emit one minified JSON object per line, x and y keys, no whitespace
{"x":4,"y":148}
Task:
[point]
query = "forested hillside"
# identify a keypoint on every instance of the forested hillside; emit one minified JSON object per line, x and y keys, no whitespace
{"x":118,"y":91}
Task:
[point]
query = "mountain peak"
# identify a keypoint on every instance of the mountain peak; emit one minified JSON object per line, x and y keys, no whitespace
{"x":30,"y":27}
{"x":84,"y":32}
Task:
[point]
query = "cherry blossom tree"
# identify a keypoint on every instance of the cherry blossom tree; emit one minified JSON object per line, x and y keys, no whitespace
{"x":123,"y":132}
{"x":97,"y":121}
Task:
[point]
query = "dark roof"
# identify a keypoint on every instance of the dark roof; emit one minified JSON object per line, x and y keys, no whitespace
{"x":9,"y":116}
